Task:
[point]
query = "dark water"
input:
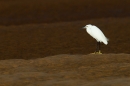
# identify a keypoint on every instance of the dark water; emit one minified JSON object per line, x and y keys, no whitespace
{"x":27,"y":12}
{"x":61,"y":17}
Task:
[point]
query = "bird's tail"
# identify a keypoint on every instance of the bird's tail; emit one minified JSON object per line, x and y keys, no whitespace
{"x":106,"y":41}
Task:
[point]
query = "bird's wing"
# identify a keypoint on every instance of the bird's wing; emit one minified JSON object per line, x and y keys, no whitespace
{"x":98,"y":34}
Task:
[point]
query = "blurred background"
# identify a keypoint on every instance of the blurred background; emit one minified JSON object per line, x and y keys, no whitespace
{"x":16,"y":12}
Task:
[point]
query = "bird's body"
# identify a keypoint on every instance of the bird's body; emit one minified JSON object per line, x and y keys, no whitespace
{"x":96,"y":33}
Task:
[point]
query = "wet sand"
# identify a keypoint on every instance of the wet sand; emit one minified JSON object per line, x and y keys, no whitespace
{"x":67,"y":70}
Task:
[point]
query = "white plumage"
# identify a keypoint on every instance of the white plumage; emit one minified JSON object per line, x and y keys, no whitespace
{"x":96,"y":33}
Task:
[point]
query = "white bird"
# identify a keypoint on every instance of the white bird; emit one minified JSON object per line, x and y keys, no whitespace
{"x":96,"y":33}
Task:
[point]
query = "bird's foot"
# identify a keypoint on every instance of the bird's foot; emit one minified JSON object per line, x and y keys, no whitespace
{"x":97,"y":52}
{"x":93,"y":53}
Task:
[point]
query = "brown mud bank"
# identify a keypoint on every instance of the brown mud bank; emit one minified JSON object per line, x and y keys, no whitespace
{"x":67,"y":70}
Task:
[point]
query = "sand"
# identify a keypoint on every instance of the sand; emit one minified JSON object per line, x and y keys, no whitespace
{"x":67,"y":70}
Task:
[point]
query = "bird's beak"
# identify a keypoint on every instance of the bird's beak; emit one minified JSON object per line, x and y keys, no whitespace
{"x":83,"y":28}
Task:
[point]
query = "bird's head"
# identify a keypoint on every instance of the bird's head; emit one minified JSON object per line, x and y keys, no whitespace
{"x":89,"y":25}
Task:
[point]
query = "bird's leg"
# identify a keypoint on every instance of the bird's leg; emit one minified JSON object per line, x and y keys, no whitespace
{"x":98,"y":48}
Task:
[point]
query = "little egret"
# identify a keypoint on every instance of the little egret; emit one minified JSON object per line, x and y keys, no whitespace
{"x":96,"y":33}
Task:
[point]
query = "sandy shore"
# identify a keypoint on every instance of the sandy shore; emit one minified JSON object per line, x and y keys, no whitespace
{"x":67,"y":70}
